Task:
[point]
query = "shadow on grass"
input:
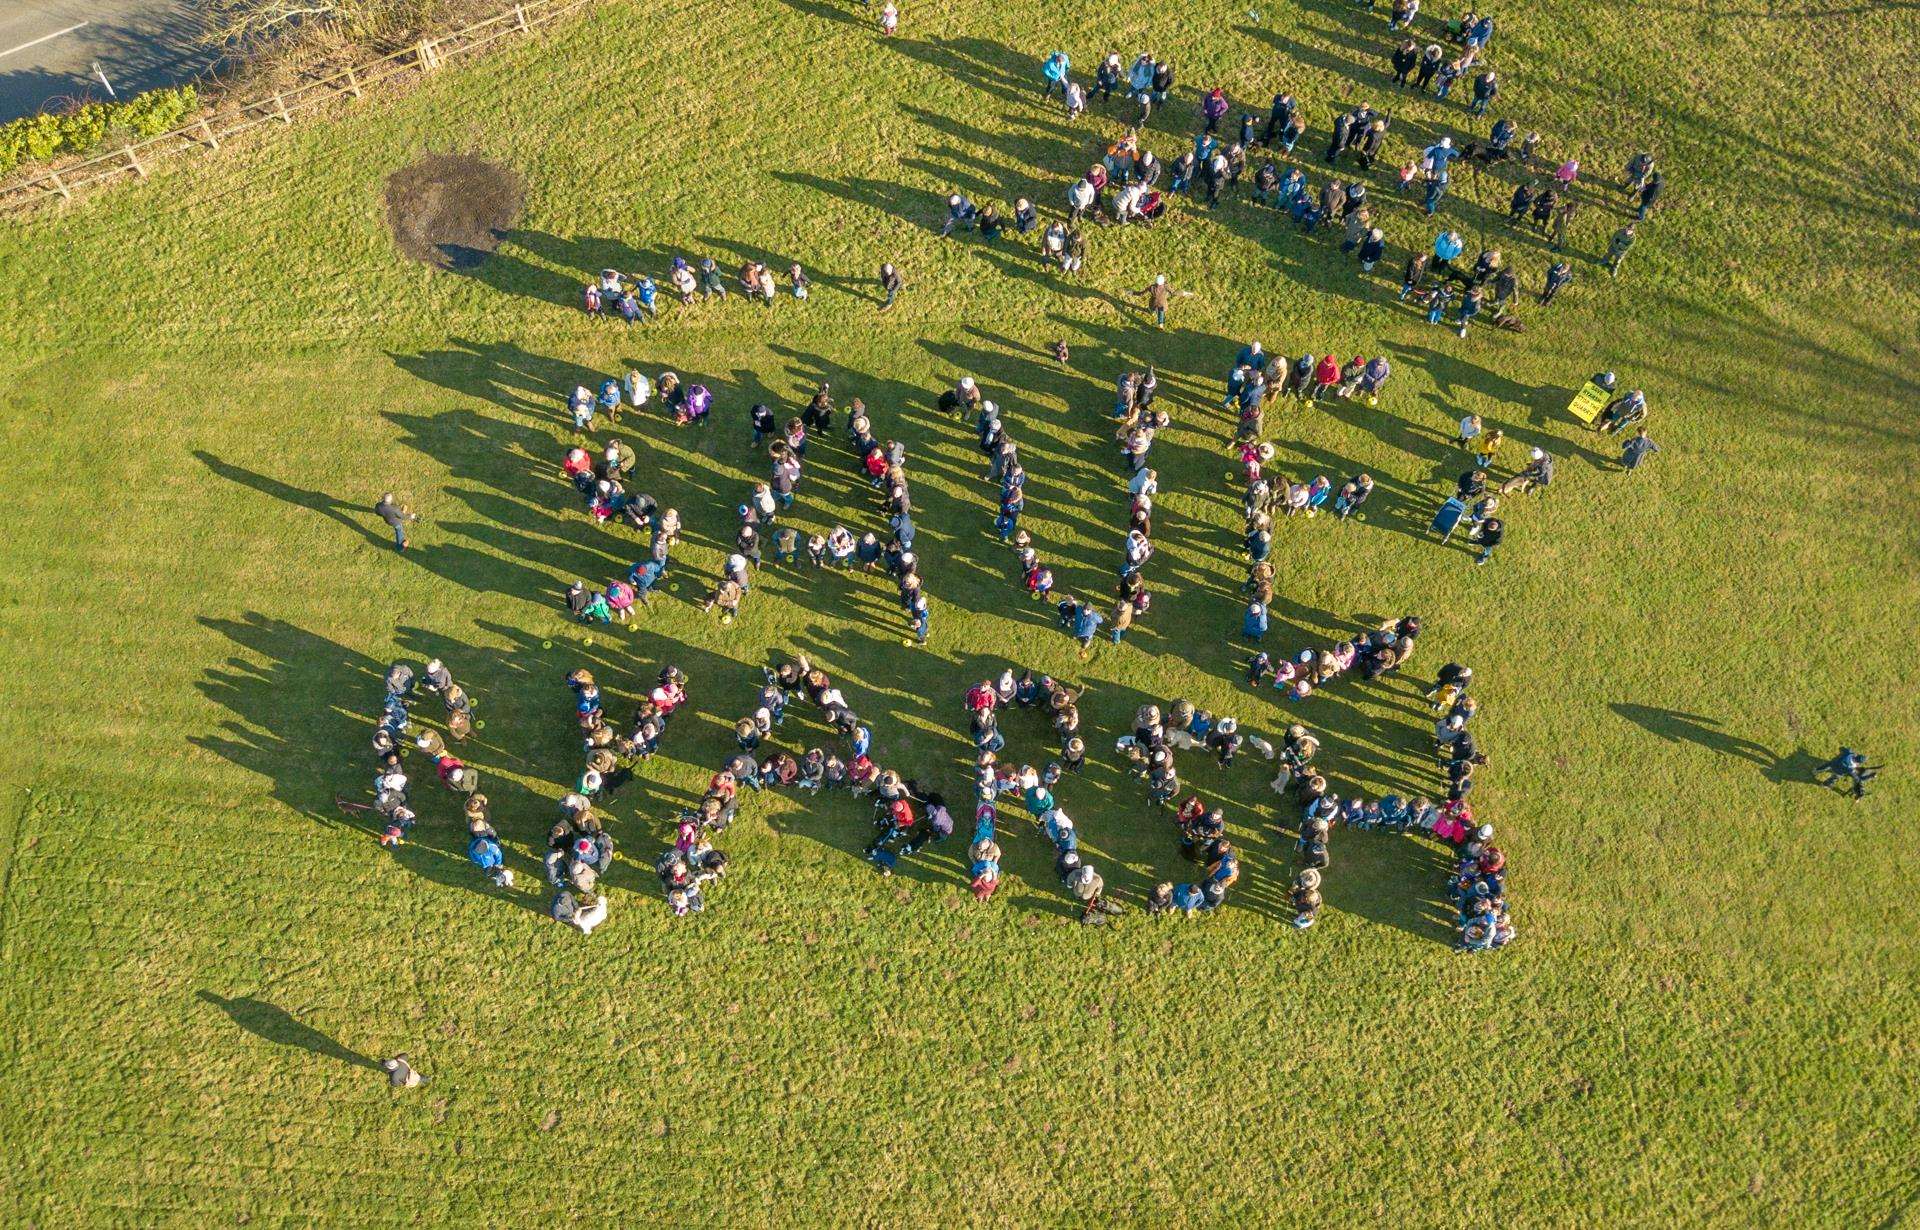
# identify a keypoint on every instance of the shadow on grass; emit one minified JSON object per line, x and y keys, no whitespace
{"x":278,"y":1026}
{"x":1679,"y":726}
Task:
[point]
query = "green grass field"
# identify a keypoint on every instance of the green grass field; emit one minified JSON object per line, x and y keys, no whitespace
{"x":1709,"y":1017}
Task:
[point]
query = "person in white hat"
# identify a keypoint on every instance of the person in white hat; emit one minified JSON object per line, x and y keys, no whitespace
{"x":1159,"y":294}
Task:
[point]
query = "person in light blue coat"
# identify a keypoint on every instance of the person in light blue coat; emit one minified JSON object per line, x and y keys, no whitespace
{"x":1140,"y":77}
{"x":1254,"y":625}
{"x":1055,"y":72}
{"x":1086,"y":624}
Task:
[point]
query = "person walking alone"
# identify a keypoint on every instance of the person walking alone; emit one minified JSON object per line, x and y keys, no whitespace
{"x":396,"y":515}
{"x":1635,"y":450}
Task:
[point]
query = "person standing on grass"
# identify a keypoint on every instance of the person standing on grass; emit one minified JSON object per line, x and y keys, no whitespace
{"x":1081,"y":196}
{"x":1213,"y":109}
{"x":1649,"y":193}
{"x":1159,"y":295}
{"x":1326,"y":374}
{"x":921,"y":616}
{"x":1086,"y":625}
{"x":1558,"y":275}
{"x":1639,"y":167}
{"x":1561,"y":217}
{"x":1106,"y":78}
{"x":401,"y":1074}
{"x":396,"y":515}
{"x":1617,"y":248}
{"x":1492,"y":531}
{"x":1372,"y":248}
{"x":1373,"y":377}
{"x":1430,"y":61}
{"x":1485,"y":86}
{"x":1012,"y":503}
{"x":1470,"y":304}
{"x":1635,"y":450}
{"x":1406,"y":57}
{"x":1123,"y":610}
{"x":1414,"y":274}
{"x":1521,"y":202}
{"x":889,"y":19}
{"x":1053,"y":72}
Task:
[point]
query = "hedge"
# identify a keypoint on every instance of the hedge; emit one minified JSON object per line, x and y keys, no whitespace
{"x":38,"y":138}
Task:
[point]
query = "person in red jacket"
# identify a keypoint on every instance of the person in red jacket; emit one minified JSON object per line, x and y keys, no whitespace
{"x":1326,"y":375}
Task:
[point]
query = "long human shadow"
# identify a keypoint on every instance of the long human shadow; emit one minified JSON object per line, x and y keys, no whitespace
{"x":329,"y":506}
{"x":503,"y":373}
{"x":1679,"y":726}
{"x":275,"y":1024}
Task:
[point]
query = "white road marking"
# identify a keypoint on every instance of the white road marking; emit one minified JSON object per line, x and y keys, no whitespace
{"x":42,"y":39}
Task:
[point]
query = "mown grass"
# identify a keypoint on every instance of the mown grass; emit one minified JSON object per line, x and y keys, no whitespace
{"x":1709,"y":1017}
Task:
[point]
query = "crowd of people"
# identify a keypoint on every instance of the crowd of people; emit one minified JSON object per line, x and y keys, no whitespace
{"x":396,"y":731}
{"x":1477,"y":885}
{"x":906,"y":818}
{"x":1370,"y":653}
{"x":1131,"y":184}
{"x":635,"y":297}
{"x":1033,"y":788}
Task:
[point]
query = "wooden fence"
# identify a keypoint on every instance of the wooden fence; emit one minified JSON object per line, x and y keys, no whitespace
{"x":229,"y":120}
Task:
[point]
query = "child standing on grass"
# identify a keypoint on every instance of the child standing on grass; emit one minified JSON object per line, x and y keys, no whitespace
{"x":889,"y":19}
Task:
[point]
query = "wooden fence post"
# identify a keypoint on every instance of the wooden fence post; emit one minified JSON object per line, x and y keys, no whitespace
{"x":135,"y":160}
{"x":206,"y":130}
{"x":280,"y":108}
{"x":61,"y":185}
{"x":353,"y":82}
{"x":428,"y":61}
{"x":520,"y":13}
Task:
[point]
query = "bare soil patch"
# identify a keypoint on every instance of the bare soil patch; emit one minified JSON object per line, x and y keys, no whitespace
{"x":450,"y":210}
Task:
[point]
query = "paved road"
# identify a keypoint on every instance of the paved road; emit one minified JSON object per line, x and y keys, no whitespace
{"x":48,"y":49}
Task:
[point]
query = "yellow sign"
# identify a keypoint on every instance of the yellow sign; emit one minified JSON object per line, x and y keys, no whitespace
{"x":1588,"y":403}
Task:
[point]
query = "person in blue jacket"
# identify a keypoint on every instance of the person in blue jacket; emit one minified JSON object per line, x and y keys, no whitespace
{"x":1189,"y":897}
{"x":1254,"y":625}
{"x":1055,"y":72}
{"x":483,"y":850}
{"x":1086,"y":624}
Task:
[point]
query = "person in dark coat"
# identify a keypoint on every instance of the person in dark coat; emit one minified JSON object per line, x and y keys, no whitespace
{"x":1649,"y":193}
{"x":1406,"y":58}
